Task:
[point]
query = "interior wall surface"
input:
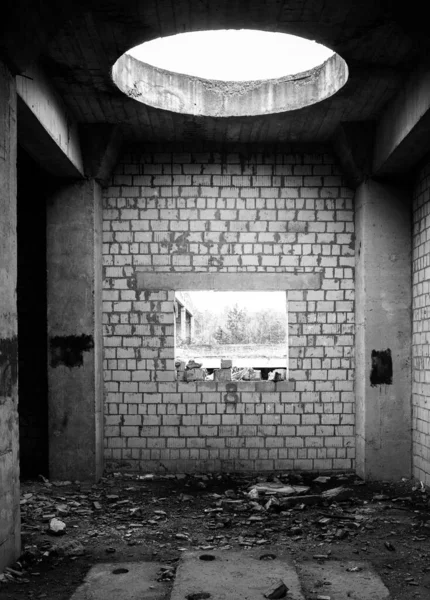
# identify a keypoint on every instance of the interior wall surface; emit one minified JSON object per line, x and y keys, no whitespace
{"x":33,"y":186}
{"x":10,"y":539}
{"x":421,"y":327}
{"x":228,"y":212}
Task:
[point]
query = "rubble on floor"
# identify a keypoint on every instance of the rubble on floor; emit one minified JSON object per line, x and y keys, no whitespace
{"x":194,"y":371}
{"x":309,"y":515}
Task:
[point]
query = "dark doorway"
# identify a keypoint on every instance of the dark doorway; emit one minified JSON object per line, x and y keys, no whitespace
{"x":33,"y":185}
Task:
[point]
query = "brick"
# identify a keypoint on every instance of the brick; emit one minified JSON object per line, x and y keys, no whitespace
{"x":295,"y":228}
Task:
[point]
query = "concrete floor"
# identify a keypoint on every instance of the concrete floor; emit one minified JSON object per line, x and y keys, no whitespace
{"x":122,"y":581}
{"x":232,"y":575}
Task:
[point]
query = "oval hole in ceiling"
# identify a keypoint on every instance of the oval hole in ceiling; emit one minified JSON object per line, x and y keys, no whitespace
{"x":225,"y":73}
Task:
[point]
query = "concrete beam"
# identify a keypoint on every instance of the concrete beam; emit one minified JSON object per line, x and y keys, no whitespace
{"x":263,"y":282}
{"x":403,"y":133}
{"x":353,"y":146}
{"x":101,"y":144}
{"x":9,"y":433}
{"x":45,"y":128}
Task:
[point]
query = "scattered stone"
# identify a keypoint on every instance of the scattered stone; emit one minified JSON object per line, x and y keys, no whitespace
{"x":69,"y":548}
{"x":62,"y":509}
{"x":340,"y":494}
{"x":112,"y":497}
{"x":222,"y":374}
{"x":180,"y":366}
{"x":14,"y":572}
{"x":192,"y":364}
{"x":278,"y":375}
{"x":276,"y":489}
{"x":57,"y":527}
{"x":247,"y":374}
{"x":322,"y":479}
{"x":341,"y":534}
{"x":389,"y":546}
{"x":226,"y":363}
{"x":166,"y":574}
{"x":277,"y":590}
{"x":194,"y":374}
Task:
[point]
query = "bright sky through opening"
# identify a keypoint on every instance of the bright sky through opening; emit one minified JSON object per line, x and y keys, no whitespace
{"x":233,"y":54}
{"x":252,"y":301}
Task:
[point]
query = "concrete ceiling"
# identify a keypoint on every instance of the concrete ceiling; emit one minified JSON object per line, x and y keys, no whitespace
{"x":77,"y":42}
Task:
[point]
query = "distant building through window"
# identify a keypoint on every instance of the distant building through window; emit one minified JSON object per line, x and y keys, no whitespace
{"x":247,"y":329}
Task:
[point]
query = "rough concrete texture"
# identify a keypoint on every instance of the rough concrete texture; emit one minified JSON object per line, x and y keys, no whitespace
{"x":232,"y":575}
{"x":249,"y":575}
{"x":192,"y":95}
{"x":47,"y":130}
{"x":237,"y":282}
{"x":74,"y":332}
{"x":346,"y":580}
{"x":9,"y":436}
{"x":383,"y":315}
{"x":402,"y":132}
{"x":122,"y":581}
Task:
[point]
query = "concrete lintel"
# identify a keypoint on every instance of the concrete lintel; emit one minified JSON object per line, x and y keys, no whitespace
{"x":353,"y":145}
{"x":403,"y":133}
{"x":101,"y":145}
{"x":267,"y":282}
{"x":45,"y":129}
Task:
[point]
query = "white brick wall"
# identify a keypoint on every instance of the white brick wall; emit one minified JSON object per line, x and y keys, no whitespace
{"x":228,"y":213}
{"x":420,"y":324}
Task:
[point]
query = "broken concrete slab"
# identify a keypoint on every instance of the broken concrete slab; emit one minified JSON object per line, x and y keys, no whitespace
{"x":339,"y":580}
{"x":246,"y":575}
{"x":280,"y":489}
{"x":122,"y":581}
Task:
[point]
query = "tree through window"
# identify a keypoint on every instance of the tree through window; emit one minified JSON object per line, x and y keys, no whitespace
{"x":250,"y":329}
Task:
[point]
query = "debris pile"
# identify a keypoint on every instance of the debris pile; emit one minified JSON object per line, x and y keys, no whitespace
{"x":194,"y":371}
{"x":319,"y":516}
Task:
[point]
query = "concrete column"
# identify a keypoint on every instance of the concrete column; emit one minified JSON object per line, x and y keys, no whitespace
{"x":192,"y":328}
{"x":9,"y":431}
{"x":183,"y":323}
{"x":74,"y":230}
{"x":383,"y":331}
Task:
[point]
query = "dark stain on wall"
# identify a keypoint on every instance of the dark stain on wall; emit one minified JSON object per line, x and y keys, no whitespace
{"x":8,"y":365}
{"x":382,"y":368}
{"x":69,"y":350}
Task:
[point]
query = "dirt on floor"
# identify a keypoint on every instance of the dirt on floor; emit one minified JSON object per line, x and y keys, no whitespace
{"x":68,"y":527}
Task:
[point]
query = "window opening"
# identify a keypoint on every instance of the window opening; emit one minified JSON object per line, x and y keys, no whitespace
{"x":231,"y":336}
